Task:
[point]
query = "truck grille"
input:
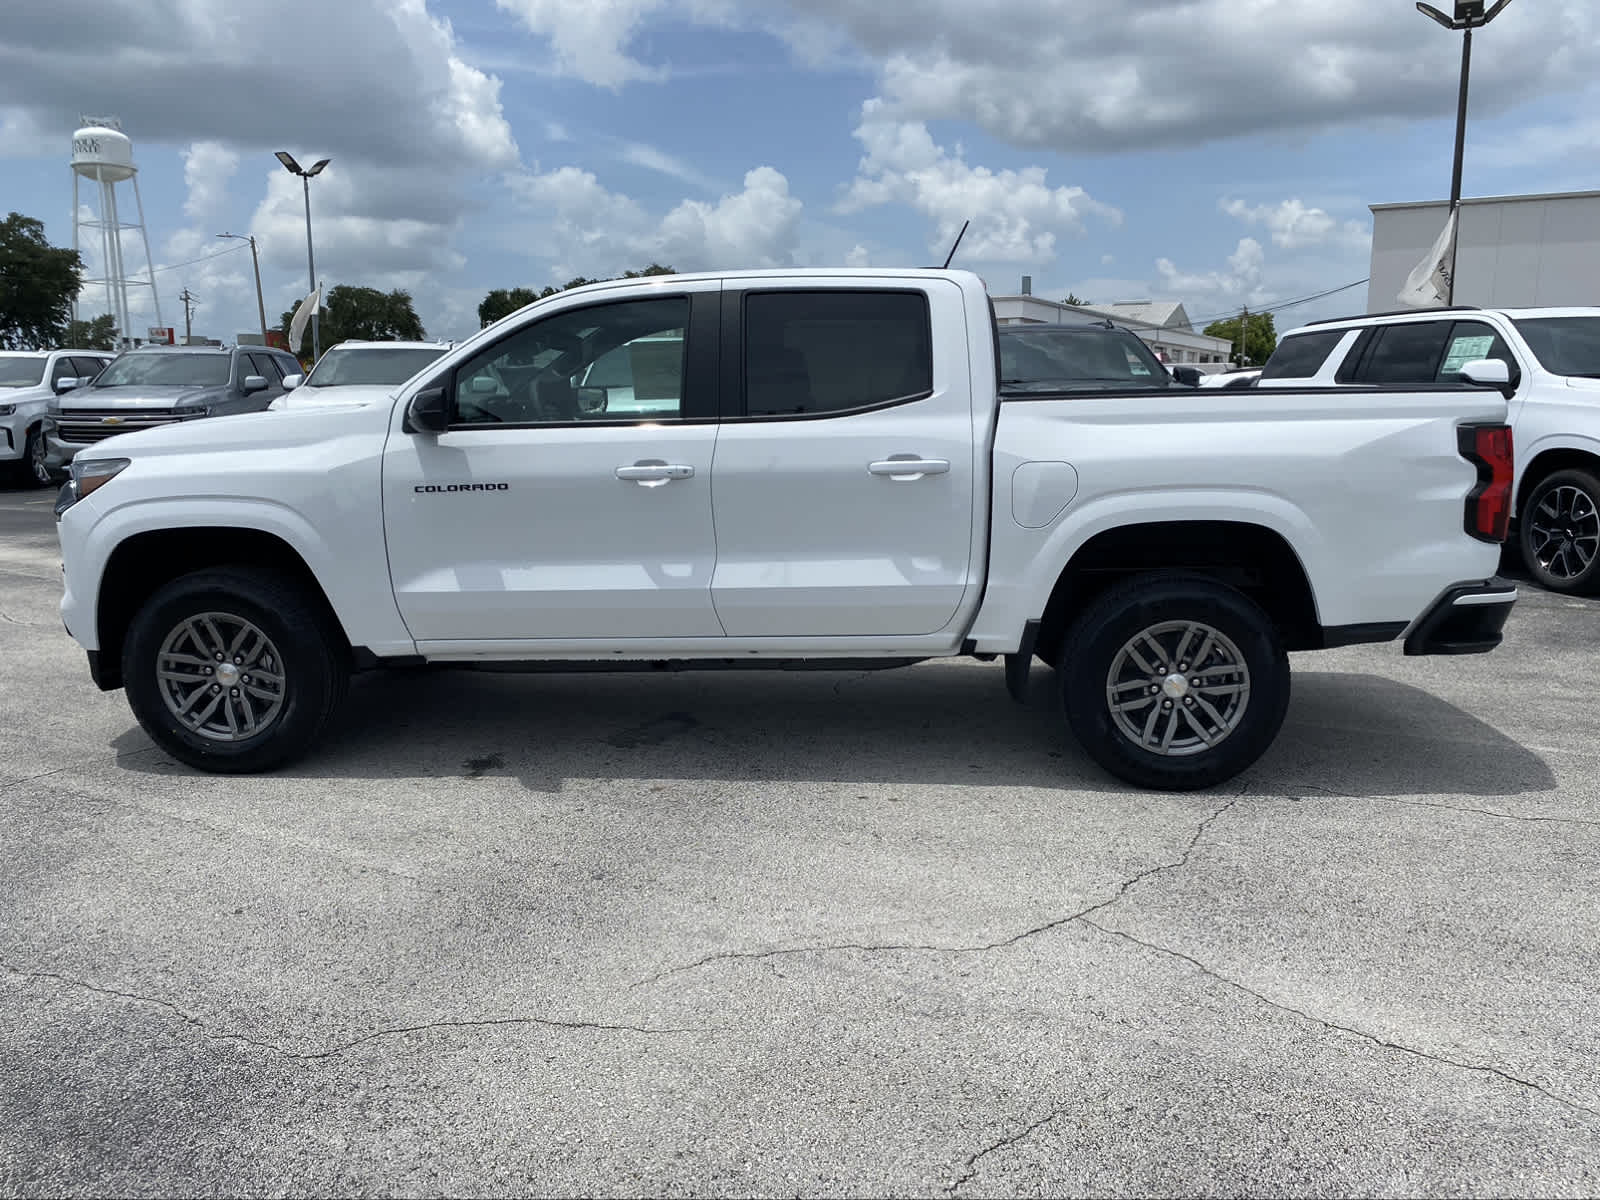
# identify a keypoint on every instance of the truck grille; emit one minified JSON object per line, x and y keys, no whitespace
{"x":89,"y":425}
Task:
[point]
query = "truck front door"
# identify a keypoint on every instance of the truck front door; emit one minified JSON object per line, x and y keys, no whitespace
{"x":542,"y":514}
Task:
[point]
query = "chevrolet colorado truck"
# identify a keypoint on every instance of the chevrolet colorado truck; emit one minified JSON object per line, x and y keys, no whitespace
{"x":803,"y":468}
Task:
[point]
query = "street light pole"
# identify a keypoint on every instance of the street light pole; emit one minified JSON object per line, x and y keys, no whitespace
{"x":261,"y":304}
{"x":1469,"y":15}
{"x":294,"y":168}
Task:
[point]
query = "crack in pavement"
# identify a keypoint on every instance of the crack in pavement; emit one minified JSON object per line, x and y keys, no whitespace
{"x":1035,"y":931}
{"x":1334,"y":1026}
{"x":334,"y":1051}
{"x":1005,"y":1143}
{"x":116,"y":758}
{"x":1331,"y":793}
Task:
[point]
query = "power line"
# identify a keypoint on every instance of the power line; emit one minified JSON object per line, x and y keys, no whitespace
{"x":206,"y":258}
{"x":1280,"y":305}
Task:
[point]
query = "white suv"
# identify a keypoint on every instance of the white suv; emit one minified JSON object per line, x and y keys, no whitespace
{"x":357,"y":372}
{"x":29,"y":383}
{"x":1553,"y":355}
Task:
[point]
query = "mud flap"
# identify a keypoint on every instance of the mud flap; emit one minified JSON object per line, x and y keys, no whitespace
{"x":1019,"y":664}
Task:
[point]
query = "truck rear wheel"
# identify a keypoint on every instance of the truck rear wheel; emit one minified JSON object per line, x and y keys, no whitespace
{"x":233,"y":670}
{"x":1174,"y":682}
{"x":1560,"y":532}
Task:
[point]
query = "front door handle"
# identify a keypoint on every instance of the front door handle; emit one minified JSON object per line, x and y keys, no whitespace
{"x":909,"y":467}
{"x":652,"y":472}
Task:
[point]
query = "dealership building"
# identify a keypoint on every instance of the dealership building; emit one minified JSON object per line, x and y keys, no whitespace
{"x":1511,"y":251}
{"x":1163,"y":324}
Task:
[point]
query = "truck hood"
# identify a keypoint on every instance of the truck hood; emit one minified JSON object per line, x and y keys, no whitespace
{"x":247,"y":431}
{"x":327,"y":397}
{"x":135,"y":396}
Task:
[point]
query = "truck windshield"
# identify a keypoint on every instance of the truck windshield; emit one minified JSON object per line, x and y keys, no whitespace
{"x":1564,"y":345}
{"x":370,"y":365}
{"x":162,"y":369}
{"x":1056,"y":358}
{"x":19,"y":371}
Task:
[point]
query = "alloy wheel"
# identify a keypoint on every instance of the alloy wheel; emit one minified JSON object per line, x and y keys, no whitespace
{"x":221,"y":677}
{"x":1178,"y":688}
{"x":1565,"y":532}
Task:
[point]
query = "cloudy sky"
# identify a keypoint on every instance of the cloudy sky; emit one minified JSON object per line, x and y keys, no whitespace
{"x":1218,"y":152}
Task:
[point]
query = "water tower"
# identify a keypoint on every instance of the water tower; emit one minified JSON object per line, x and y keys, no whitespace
{"x":103,"y":154}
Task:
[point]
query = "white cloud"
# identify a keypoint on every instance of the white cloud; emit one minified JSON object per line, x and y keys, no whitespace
{"x":859,"y":256}
{"x":589,"y":36}
{"x":207,"y":168}
{"x":1016,"y":215}
{"x":590,"y":230}
{"x":1576,"y":142}
{"x":1293,"y":226}
{"x":1239,"y":283}
{"x":654,"y":159}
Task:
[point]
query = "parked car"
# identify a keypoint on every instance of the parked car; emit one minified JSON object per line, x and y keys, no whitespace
{"x":29,"y":382}
{"x":159,"y":385}
{"x":375,"y":367}
{"x":1232,"y":380}
{"x":1552,"y":356}
{"x":836,"y":478}
{"x":1083,"y":356}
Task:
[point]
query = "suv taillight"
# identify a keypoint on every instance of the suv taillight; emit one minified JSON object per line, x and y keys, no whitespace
{"x":1488,"y":447}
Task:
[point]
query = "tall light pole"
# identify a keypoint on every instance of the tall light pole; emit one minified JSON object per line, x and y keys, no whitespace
{"x":261,"y":305}
{"x":1469,"y":15}
{"x":294,"y":168}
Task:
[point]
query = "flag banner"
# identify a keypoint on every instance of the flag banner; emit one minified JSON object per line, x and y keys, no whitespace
{"x":1428,"y":285}
{"x":302,"y":316}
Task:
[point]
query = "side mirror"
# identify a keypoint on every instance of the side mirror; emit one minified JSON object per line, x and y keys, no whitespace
{"x":290,"y":382}
{"x":1488,"y":372}
{"x":254,"y":383}
{"x":1188,"y":376}
{"x":592,"y":401}
{"x":66,"y":385}
{"x":428,"y":412}
{"x":483,"y":385}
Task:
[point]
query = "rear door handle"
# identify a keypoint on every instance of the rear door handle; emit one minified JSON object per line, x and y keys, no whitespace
{"x":654,"y":472}
{"x":909,"y":468}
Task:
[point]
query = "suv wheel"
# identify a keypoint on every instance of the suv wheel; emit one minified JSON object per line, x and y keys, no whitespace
{"x":35,"y":461}
{"x":233,"y":670}
{"x":1560,"y":532}
{"x":1174,"y":681}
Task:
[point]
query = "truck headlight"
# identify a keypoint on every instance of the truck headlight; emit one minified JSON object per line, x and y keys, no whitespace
{"x":88,"y":475}
{"x":7,"y":409}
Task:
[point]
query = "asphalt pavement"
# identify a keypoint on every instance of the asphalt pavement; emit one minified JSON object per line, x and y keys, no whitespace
{"x":801,"y":934}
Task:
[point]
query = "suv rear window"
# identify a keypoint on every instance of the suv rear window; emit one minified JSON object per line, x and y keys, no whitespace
{"x":823,"y":352}
{"x":1301,"y":356}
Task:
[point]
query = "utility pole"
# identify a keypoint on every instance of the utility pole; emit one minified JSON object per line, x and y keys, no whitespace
{"x":189,"y":301}
{"x":1244,"y":327}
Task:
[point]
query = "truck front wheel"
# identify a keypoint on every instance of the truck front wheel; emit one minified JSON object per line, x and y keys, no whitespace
{"x":1174,"y":681}
{"x":233,"y":670}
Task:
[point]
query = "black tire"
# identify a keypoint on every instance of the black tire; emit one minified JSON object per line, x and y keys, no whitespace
{"x":31,"y":470}
{"x":1252,"y":712}
{"x":307,"y":656}
{"x":1559,"y":525}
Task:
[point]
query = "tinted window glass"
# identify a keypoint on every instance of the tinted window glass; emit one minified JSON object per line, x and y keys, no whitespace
{"x":1407,"y":353}
{"x":88,"y":368}
{"x":818,"y":352}
{"x":607,"y":362}
{"x":383,"y":365}
{"x":1301,"y":356}
{"x":64,"y":369}
{"x":17,"y":371}
{"x":267,"y":368}
{"x":1470,"y":341}
{"x":162,"y":368}
{"x":1564,"y":345}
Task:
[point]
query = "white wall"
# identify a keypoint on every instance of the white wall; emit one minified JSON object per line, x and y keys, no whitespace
{"x":1514,"y":252}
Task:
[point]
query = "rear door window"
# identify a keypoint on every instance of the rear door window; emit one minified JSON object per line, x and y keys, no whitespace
{"x":1301,"y":356}
{"x":1403,"y":354}
{"x":267,"y":367}
{"x":813,"y":353}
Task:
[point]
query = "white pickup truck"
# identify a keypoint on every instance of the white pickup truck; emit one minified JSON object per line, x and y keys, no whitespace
{"x":806,"y":468}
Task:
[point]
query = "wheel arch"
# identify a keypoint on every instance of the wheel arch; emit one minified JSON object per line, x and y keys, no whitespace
{"x":1550,"y":459}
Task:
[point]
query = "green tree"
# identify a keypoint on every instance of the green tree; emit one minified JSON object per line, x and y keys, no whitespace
{"x":37,"y":284}
{"x":98,"y":334}
{"x":363,"y":314}
{"x":502,"y":302}
{"x":1261,"y":336}
{"x":1071,"y":299}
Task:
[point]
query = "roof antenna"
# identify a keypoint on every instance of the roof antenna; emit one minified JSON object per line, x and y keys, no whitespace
{"x":952,"y":253}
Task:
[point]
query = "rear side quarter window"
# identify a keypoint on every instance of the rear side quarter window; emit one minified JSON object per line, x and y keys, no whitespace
{"x":1301,"y":356}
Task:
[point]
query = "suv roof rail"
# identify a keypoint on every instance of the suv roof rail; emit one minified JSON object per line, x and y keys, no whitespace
{"x":1396,"y":312}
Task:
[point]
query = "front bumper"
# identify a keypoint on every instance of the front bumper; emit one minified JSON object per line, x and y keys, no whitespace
{"x":13,"y":437}
{"x":1467,"y":619}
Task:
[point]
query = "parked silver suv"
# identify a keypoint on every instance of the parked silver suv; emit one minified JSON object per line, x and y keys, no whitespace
{"x":29,"y":381}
